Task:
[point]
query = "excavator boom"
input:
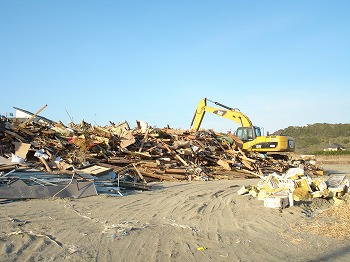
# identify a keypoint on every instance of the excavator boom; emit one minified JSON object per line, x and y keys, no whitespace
{"x":230,"y":113}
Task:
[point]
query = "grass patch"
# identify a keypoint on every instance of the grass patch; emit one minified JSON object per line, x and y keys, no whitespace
{"x":333,"y":223}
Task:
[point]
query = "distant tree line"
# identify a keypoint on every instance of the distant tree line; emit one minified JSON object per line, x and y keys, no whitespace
{"x":315,"y":137}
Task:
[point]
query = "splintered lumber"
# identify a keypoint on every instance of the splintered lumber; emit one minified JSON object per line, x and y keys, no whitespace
{"x":42,"y":160}
{"x":250,"y":172}
{"x":177,"y":176}
{"x":247,"y":164}
{"x":96,"y":170}
{"x":138,"y":172}
{"x":149,"y":164}
{"x":224,"y":164}
{"x":115,"y":168}
{"x":34,"y":115}
{"x":175,"y":154}
{"x":261,"y":174}
{"x":4,"y":168}
{"x":136,"y":153}
{"x":150,"y":154}
{"x":158,"y":176}
{"x":20,"y":138}
{"x":118,"y":160}
{"x":144,"y":139}
{"x":25,"y":131}
{"x":176,"y":170}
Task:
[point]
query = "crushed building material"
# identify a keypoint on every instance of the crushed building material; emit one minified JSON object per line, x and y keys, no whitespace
{"x":136,"y":156}
{"x":279,"y":190}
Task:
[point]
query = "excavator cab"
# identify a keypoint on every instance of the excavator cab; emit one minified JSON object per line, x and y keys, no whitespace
{"x":248,"y":133}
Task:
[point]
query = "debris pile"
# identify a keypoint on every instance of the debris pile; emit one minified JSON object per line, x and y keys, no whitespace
{"x":116,"y":155}
{"x":279,"y":190}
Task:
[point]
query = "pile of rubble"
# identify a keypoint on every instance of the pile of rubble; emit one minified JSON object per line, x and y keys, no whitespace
{"x":116,"y":155}
{"x":279,"y":190}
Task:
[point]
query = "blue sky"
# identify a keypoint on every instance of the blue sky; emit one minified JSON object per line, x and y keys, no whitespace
{"x":282,"y":63}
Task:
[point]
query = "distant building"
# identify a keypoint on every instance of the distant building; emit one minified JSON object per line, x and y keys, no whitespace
{"x":334,"y":147}
{"x":24,"y":114}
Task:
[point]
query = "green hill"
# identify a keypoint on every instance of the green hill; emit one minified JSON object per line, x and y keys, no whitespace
{"x":315,"y":137}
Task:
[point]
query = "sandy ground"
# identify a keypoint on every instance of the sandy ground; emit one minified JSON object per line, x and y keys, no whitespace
{"x":186,"y":221}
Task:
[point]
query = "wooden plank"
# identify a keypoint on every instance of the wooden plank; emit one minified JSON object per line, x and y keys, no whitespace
{"x":175,"y":154}
{"x":144,"y":139}
{"x":160,"y":177}
{"x":119,"y":160}
{"x":48,"y":168}
{"x":224,"y":164}
{"x":20,"y":138}
{"x":38,"y":112}
{"x":175,"y":170}
{"x":96,"y":170}
{"x":138,"y":172}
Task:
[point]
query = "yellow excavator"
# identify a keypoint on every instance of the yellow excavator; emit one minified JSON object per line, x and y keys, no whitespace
{"x":249,"y":134}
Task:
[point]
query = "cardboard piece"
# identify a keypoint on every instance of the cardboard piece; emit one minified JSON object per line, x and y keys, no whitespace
{"x":21,"y":149}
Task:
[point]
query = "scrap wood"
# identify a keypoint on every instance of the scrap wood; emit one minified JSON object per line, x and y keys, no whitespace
{"x":48,"y":168}
{"x":247,"y":164}
{"x":199,"y":143}
{"x":34,"y":115}
{"x":247,"y":159}
{"x":119,"y":160}
{"x":175,"y":170}
{"x":151,"y":164}
{"x":95,"y":170}
{"x":25,"y":131}
{"x":138,"y":172}
{"x":144,"y":139}
{"x":20,"y":138}
{"x":126,"y":138}
{"x":260,"y":172}
{"x":249,"y":172}
{"x":100,"y":131}
{"x":5,"y":168}
{"x":158,"y":176}
{"x":170,"y":152}
{"x":6,"y":163}
{"x":133,"y":153}
{"x":134,"y":185}
{"x":224,"y":164}
{"x":120,"y":171}
{"x":175,"y":154}
{"x":174,"y":175}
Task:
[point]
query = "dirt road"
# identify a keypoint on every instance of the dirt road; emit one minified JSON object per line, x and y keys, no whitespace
{"x":176,"y":221}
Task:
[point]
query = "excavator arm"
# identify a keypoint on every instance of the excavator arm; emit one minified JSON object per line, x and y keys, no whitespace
{"x":230,"y":113}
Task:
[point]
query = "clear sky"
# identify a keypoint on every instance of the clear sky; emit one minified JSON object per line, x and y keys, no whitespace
{"x":282,"y":63}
